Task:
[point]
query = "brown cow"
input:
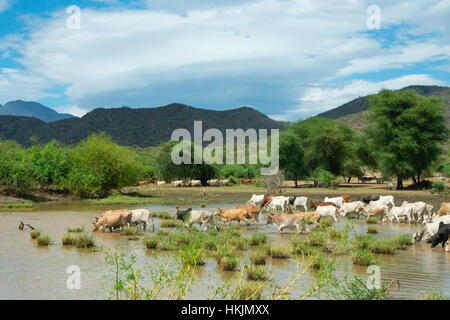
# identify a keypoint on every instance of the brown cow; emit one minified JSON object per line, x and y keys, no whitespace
{"x":267,"y":199}
{"x":228,"y":215}
{"x":112,"y":219}
{"x":247,"y":181}
{"x":444,"y":210}
{"x":310,"y":217}
{"x":252,"y":211}
{"x":314,"y":205}
{"x":142,"y":183}
{"x":346,"y":197}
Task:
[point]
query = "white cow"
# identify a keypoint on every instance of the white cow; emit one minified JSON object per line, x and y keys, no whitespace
{"x":338,"y":201}
{"x":397,"y":212}
{"x":203,"y":217}
{"x":195,"y":183}
{"x":420,"y":210}
{"x":376,"y":208}
{"x":160,"y":183}
{"x":225,"y":182}
{"x":429,"y":229}
{"x":298,"y":202}
{"x":278,"y":202}
{"x":213,"y":182}
{"x":351,"y":207}
{"x":327,"y":211}
{"x":389,"y":199}
{"x":177,"y":183}
{"x":141,"y":217}
{"x":256,"y":200}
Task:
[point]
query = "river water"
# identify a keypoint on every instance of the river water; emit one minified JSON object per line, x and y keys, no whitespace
{"x":31,"y":272}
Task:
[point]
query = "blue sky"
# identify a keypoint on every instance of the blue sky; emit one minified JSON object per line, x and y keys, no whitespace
{"x":289,"y":59}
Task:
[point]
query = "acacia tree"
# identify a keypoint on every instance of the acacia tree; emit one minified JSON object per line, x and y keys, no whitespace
{"x":292,"y":157}
{"x":405,"y":133}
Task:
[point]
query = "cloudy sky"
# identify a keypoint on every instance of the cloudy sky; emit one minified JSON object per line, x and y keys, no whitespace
{"x":289,"y":59}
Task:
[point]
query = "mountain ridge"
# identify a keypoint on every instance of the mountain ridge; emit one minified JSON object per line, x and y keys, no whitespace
{"x":32,"y":109}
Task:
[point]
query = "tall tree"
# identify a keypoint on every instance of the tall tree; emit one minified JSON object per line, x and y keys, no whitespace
{"x":405,"y":133}
{"x":292,"y":157}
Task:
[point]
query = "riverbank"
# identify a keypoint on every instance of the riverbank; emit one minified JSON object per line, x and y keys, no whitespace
{"x":188,"y":196}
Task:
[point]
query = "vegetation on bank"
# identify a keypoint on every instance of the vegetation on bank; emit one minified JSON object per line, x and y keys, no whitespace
{"x":403,"y":139}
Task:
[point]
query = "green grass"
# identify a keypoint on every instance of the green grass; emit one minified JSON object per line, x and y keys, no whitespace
{"x":436,"y":295}
{"x":34,"y":234}
{"x":403,"y":241}
{"x":257,"y":239}
{"x":383,"y":246}
{"x":75,"y":229}
{"x":230,"y":263}
{"x":162,"y":215}
{"x":318,"y":238}
{"x":363,"y":241}
{"x":372,"y":220}
{"x":301,"y":246}
{"x":17,"y":205}
{"x":119,"y":199}
{"x":130,"y":231}
{"x":364,"y":257}
{"x":250,"y":290}
{"x":84,"y":240}
{"x":258,"y":257}
{"x":152,"y":242}
{"x":256,"y":273}
{"x":278,"y":252}
{"x":67,"y":239}
{"x":170,"y":223}
{"x":372,"y":229}
{"x":43,"y":240}
{"x":318,"y":261}
{"x":222,"y":252}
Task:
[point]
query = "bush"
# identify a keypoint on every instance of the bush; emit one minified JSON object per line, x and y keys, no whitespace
{"x":250,"y":290}
{"x":324,"y":178}
{"x":372,"y":229}
{"x":363,"y":241}
{"x":257,"y":239}
{"x":258,"y":257}
{"x":43,"y":240}
{"x":84,"y":240}
{"x":364,"y":257}
{"x":318,"y":261}
{"x":34,"y":234}
{"x":67,"y":239}
{"x":438,"y":187}
{"x":256,"y":273}
{"x":229,"y":263}
{"x":151,"y":242}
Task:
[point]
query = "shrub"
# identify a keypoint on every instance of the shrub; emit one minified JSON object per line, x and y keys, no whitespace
{"x":84,"y":240}
{"x":34,"y":234}
{"x":229,"y":263}
{"x":43,"y":240}
{"x":224,"y":251}
{"x":210,"y":245}
{"x":75,"y":229}
{"x":324,"y":178}
{"x":318,"y":261}
{"x":152,"y":242}
{"x":257,"y":239}
{"x":258,"y":257}
{"x":363,"y":241}
{"x":170,"y":223}
{"x":257,"y":273}
{"x":318,"y":239}
{"x":67,"y":239}
{"x":438,"y":187}
{"x":363,"y":257}
{"x":435,"y":296}
{"x":302,"y":247}
{"x":250,"y":290}
{"x":383,"y":246}
{"x":372,"y":220}
{"x":403,"y":241}
{"x":278,"y":252}
{"x":372,"y":229}
{"x":191,"y":255}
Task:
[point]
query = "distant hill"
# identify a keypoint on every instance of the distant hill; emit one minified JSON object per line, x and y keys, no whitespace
{"x":352,"y":113}
{"x":143,"y":127}
{"x":32,"y":109}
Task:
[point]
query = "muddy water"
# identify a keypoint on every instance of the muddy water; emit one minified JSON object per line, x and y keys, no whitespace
{"x":31,"y":272}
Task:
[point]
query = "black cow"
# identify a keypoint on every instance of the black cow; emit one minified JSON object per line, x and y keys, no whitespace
{"x":441,"y":236}
{"x":182,"y":214}
{"x":370,"y":198}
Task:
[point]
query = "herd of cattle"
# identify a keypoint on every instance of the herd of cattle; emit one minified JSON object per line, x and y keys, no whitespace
{"x":197,"y":183}
{"x":286,"y":212}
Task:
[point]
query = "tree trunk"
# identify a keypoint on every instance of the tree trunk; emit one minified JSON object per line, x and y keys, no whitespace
{"x":414,"y":179}
{"x":296,"y":183}
{"x":399,"y":183}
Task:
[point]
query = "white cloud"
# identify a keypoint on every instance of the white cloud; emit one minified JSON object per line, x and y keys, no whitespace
{"x":316,"y":100}
{"x":259,"y":52}
{"x":74,"y":110}
{"x":4,"y":5}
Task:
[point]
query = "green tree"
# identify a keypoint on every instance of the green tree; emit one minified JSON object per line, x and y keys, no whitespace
{"x":405,"y":132}
{"x":292,"y":157}
{"x":99,"y":165}
{"x":327,"y":143}
{"x":16,"y":169}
